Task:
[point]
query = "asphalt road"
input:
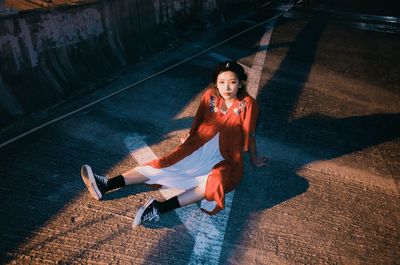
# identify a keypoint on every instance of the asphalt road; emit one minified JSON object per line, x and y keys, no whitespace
{"x":330,"y":112}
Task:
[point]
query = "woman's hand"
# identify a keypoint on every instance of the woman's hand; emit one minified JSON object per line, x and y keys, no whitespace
{"x":184,"y":137}
{"x":256,"y":160}
{"x":260,"y":161}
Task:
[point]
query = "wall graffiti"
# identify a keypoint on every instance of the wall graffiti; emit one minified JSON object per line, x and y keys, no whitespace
{"x":53,"y":31}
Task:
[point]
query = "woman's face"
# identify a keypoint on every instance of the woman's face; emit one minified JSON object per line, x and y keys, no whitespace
{"x":228,"y":85}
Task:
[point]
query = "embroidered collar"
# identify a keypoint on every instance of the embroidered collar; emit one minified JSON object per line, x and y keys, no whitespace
{"x":237,"y":110}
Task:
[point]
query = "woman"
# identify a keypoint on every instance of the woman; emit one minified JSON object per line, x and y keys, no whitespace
{"x":209,"y":162}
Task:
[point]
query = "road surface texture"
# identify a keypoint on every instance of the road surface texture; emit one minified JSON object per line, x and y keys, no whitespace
{"x":329,"y":90}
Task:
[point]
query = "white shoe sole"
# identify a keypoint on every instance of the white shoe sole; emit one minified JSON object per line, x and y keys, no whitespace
{"x":138,"y":217}
{"x":90,"y":182}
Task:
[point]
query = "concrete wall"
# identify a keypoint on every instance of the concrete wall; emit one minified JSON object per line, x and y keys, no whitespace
{"x":47,"y":56}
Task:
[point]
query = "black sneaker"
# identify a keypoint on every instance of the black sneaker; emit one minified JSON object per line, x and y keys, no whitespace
{"x":97,"y":185}
{"x":148,"y":212}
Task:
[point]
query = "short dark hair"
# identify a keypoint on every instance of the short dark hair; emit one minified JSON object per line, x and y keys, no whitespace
{"x":231,"y":66}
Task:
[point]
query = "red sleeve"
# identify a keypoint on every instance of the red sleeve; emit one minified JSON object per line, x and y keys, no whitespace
{"x":249,"y":121}
{"x":204,"y":105}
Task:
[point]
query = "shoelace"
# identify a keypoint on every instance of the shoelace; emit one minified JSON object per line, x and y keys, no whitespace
{"x":102,"y":179}
{"x":153,"y":214}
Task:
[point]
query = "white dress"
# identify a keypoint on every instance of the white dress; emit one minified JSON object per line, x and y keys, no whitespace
{"x":190,"y":172}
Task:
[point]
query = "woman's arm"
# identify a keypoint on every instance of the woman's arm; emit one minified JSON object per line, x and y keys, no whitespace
{"x":249,"y":127}
{"x":257,"y":161}
{"x":198,"y":118}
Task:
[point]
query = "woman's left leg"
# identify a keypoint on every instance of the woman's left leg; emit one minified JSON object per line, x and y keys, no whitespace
{"x":191,"y":196}
{"x":152,"y":209}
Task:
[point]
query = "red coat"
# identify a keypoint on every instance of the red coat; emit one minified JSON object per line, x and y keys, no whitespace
{"x":235,"y":129}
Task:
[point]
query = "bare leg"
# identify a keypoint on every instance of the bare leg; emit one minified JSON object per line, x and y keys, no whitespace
{"x":133,"y":177}
{"x":191,"y":196}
